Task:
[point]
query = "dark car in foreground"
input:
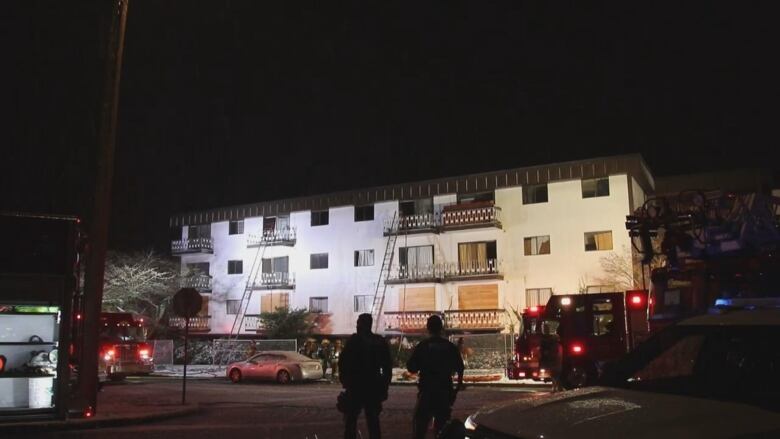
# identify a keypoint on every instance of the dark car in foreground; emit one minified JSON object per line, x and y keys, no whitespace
{"x":711,"y":376}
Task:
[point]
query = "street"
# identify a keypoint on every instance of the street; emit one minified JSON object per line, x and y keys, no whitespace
{"x":263,"y":410}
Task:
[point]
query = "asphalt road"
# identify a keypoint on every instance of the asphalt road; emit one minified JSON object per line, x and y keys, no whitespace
{"x":259,"y":410}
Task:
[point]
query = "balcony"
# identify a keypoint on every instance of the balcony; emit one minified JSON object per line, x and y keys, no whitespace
{"x":423,"y":223}
{"x":199,"y":282}
{"x":488,"y":320}
{"x":476,"y":270}
{"x":252,"y":323}
{"x":275,"y":281}
{"x":196,"y":245}
{"x":197,"y":324}
{"x":273,"y":237}
{"x":470,"y":216}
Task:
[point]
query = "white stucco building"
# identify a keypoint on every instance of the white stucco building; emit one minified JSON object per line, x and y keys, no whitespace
{"x":472,"y":248}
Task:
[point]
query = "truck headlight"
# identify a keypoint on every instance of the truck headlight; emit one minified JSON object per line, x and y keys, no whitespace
{"x":470,"y":425}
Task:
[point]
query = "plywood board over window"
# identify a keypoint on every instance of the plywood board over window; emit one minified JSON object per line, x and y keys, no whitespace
{"x":271,"y":301}
{"x":483,"y":296}
{"x":204,"y":306}
{"x":417,"y":299}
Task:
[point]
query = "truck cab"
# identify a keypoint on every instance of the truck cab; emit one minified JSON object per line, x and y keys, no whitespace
{"x":123,"y":348}
{"x":525,"y":361}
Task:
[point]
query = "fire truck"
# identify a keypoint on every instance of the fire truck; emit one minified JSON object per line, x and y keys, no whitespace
{"x":588,"y":330}
{"x":711,"y":246}
{"x":123,"y":348}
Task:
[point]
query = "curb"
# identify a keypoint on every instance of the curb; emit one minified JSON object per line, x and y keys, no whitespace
{"x":84,"y":424}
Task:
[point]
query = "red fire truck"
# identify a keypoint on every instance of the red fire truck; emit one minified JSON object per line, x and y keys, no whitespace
{"x":123,"y":348}
{"x":590,"y":329}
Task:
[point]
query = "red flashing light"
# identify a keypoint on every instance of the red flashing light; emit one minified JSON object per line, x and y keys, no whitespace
{"x":521,"y":374}
{"x":636,"y":300}
{"x":536,"y":374}
{"x":144,"y":353}
{"x":577,"y":349}
{"x":78,"y":316}
{"x":89,"y":412}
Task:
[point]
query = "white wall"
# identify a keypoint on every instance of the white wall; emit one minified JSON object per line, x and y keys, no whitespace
{"x":565,"y":218}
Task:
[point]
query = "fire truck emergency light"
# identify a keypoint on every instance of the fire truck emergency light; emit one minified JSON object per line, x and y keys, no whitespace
{"x":577,"y":349}
{"x":566,"y":301}
{"x":533,"y":309}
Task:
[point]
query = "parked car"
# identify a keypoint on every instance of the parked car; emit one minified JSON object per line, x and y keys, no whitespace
{"x":280,"y":366}
{"x":713,"y":376}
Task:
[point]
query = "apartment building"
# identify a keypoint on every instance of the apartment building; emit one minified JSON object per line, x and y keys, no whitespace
{"x":471,"y":248}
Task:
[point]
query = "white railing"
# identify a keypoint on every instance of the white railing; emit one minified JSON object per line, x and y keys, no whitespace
{"x":196,"y":323}
{"x":471,"y":216}
{"x":444,"y":271}
{"x":415,"y":321}
{"x":200,"y":282}
{"x":276,"y":279}
{"x":284,"y":235}
{"x":192,"y":245}
{"x":252,"y":322}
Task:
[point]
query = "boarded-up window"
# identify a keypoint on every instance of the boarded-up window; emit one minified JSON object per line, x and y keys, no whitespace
{"x":272,"y":301}
{"x":598,"y":241}
{"x":417,"y":299}
{"x":478,"y":297}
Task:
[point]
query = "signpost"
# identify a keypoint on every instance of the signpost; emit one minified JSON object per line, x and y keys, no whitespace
{"x":186,"y":303}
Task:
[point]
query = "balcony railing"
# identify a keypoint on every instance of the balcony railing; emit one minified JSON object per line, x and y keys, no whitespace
{"x":452,"y":217}
{"x":197,"y":324}
{"x":196,"y":245}
{"x":470,"y":215}
{"x":269,"y":237}
{"x":277,"y":280}
{"x":487,"y":269}
{"x":460,"y":320}
{"x":252,"y":323}
{"x":200,"y":282}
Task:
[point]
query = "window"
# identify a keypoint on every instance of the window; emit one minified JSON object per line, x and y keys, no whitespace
{"x":420,"y":256}
{"x":273,"y":301}
{"x":592,"y":289}
{"x":318,"y":304}
{"x":318,"y":261}
{"x":477,"y":257}
{"x":476,"y":198}
{"x":236,"y":227}
{"x":235,"y":267}
{"x":537,"y":296}
{"x":200,"y":231}
{"x":417,"y":207}
{"x":363,"y":304}
{"x":537,"y":245}
{"x":536,"y":193}
{"x":597,"y":241}
{"x":320,"y":218}
{"x":595,"y":187}
{"x":198,"y":268}
{"x":364,"y":258}
{"x":276,"y":223}
{"x":364,"y":213}
{"x":276,"y":265}
{"x":233,"y":307}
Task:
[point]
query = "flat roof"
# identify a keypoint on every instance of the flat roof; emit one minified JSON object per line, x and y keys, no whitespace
{"x":630,"y":164}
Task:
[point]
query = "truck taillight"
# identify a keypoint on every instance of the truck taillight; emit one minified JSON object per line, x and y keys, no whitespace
{"x":577,"y":349}
{"x":109,"y":354}
{"x":144,"y":353}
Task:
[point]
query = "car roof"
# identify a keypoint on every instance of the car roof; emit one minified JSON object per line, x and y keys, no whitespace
{"x":754,"y":317}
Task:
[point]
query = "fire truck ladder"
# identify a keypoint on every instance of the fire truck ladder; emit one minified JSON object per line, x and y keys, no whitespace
{"x":384,"y":273}
{"x":254,"y":273}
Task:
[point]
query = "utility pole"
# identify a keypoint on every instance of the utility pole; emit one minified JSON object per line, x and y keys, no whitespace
{"x":98,"y":220}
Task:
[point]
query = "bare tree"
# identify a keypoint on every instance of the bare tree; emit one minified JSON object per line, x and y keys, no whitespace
{"x":141,"y":283}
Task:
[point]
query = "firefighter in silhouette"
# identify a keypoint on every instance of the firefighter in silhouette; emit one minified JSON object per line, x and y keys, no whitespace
{"x":365,"y":369}
{"x":435,"y":359}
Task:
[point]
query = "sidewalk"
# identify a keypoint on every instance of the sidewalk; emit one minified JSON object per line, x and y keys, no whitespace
{"x":115,"y":408}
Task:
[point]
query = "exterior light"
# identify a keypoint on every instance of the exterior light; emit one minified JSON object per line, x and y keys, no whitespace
{"x":566,"y":301}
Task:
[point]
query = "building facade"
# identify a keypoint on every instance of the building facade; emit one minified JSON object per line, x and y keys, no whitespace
{"x":473,"y":249}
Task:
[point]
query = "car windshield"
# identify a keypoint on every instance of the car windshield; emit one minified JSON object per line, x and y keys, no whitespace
{"x":733,"y":363}
{"x":122,"y":333}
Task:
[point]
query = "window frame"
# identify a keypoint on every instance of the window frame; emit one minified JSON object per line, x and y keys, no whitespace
{"x":368,"y":302}
{"x":238,"y":229}
{"x":535,"y":245}
{"x":594,"y":192}
{"x":320,"y":215}
{"x":357,"y":257}
{"x":538,"y":292}
{"x":361,"y":213}
{"x":530,"y":193}
{"x":312,"y":259}
{"x":318,"y":311}
{"x":595,"y":241}
{"x":232,"y":264}
{"x":229,"y":302}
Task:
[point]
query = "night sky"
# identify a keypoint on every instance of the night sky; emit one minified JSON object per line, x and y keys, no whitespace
{"x":229,"y":102}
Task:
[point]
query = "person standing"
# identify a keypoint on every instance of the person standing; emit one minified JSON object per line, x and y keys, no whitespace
{"x":435,"y":359}
{"x":365,"y":369}
{"x":326,"y":357}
